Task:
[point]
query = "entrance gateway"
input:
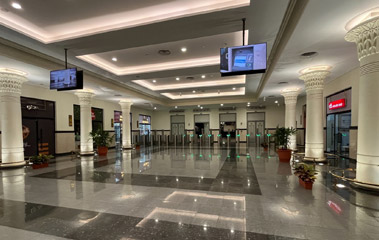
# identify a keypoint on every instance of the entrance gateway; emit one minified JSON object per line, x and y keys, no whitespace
{"x":256,"y":127}
{"x":338,"y":122}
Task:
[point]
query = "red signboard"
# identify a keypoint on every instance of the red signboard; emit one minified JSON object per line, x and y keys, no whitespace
{"x":93,"y":116}
{"x":340,"y":103}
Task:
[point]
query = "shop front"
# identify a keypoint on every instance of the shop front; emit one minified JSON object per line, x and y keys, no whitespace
{"x":338,"y":122}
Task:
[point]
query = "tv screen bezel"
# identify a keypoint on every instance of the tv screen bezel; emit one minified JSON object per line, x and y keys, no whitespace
{"x":226,"y":74}
{"x":79,"y":80}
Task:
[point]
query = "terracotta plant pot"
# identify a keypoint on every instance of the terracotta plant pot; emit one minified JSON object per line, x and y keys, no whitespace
{"x":265,"y":148}
{"x":284,"y":155}
{"x":38,"y":166}
{"x":102,"y":151}
{"x":306,"y":185}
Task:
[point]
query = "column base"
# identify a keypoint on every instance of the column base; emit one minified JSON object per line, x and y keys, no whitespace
{"x":13,"y":165}
{"x":365,"y":186}
{"x":87,"y":153}
{"x":313,"y":159}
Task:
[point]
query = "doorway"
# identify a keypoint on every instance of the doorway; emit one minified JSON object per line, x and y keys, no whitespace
{"x":38,"y":126}
{"x":201,"y":124}
{"x":177,"y":125}
{"x":256,"y":127}
{"x":228,"y":125}
{"x":338,"y":134}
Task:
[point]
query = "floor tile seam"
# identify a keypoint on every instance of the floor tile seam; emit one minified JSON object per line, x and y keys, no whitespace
{"x":138,"y":218}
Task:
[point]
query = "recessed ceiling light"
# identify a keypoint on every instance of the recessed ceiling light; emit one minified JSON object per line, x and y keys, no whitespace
{"x":177,"y":79}
{"x":198,"y":105}
{"x":193,"y":91}
{"x":201,"y":107}
{"x":276,"y":101}
{"x":221,"y":104}
{"x":184,"y":49}
{"x":154,"y":81}
{"x":234,"y":88}
{"x":248,"y":103}
{"x":176,"y":106}
{"x":202,"y":76}
{"x":155,"y":108}
{"x":114,"y":59}
{"x":16,"y":5}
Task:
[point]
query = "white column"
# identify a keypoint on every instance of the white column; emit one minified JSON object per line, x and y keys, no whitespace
{"x":314,"y":138}
{"x":366,"y":36}
{"x":86,"y":142}
{"x":12,"y":148}
{"x":290,"y":99}
{"x":126,"y":139}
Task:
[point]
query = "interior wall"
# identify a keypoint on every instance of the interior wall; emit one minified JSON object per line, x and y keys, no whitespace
{"x":274,"y":117}
{"x":64,"y":106}
{"x":135,"y":116}
{"x":348,"y":80}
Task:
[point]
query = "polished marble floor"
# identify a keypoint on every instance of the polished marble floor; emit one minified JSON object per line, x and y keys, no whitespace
{"x":182,"y":193}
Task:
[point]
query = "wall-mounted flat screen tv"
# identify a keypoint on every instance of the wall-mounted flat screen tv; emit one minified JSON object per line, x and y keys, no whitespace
{"x":241,"y":60}
{"x":66,"y":79}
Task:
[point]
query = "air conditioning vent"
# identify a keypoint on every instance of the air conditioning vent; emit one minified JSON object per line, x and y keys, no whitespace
{"x":164,"y":52}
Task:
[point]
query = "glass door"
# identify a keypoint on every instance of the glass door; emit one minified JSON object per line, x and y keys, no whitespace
{"x":337,"y":133}
{"x":256,"y":131}
{"x":330,"y":133}
{"x":343,"y":122}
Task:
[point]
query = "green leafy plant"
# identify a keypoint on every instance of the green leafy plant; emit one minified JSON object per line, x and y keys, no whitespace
{"x":40,"y":159}
{"x":101,"y":138}
{"x":282,"y":136}
{"x":305,"y":172}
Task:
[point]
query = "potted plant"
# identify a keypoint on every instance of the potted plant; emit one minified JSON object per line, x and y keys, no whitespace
{"x":102,"y":141}
{"x":265,"y":146}
{"x":40,"y":161}
{"x":282,"y":138}
{"x":306,"y":173}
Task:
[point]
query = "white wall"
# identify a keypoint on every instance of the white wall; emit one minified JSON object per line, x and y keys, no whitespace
{"x":135,"y":116}
{"x":274,"y":117}
{"x":64,"y":106}
{"x":348,"y":80}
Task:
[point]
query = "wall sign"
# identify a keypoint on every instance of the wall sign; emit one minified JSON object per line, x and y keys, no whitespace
{"x":340,"y":103}
{"x":93,"y":116}
{"x":70,"y":120}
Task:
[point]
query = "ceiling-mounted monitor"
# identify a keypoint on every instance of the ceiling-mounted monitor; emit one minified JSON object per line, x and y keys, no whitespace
{"x":66,"y":79}
{"x":242,"y":60}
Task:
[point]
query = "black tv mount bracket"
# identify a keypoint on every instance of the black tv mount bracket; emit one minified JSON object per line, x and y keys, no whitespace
{"x":65,"y":57}
{"x":243,"y":30}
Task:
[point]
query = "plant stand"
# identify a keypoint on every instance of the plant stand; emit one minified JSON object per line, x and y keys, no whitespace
{"x":306,"y":185}
{"x":38,"y":166}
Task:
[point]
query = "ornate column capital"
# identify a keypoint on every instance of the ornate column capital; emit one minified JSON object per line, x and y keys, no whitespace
{"x":11,"y":81}
{"x":290,"y":95}
{"x":126,"y":104}
{"x":85,"y":97}
{"x":314,"y":80}
{"x":366,"y":36}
